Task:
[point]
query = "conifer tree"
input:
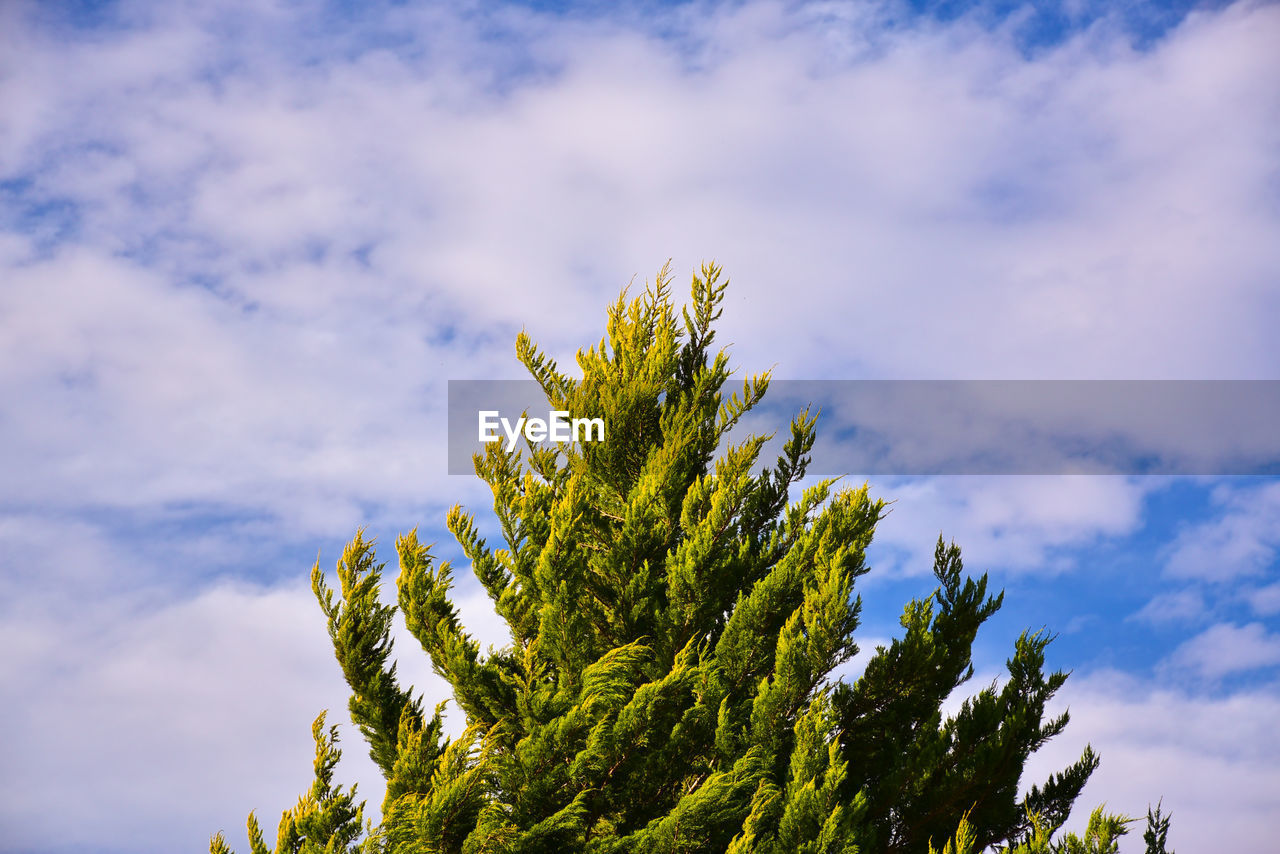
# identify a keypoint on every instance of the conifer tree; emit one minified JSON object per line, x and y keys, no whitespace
{"x":1157,"y":832}
{"x":676,"y":612}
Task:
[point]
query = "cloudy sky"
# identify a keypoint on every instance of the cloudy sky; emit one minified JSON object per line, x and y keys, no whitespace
{"x":245,"y":244}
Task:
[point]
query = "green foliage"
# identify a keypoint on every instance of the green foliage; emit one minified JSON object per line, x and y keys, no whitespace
{"x":326,"y":820}
{"x":676,"y":619}
{"x":1101,"y":836}
{"x":1157,"y":833}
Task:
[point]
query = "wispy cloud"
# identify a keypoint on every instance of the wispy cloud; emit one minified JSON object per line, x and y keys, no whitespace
{"x":1018,"y":524}
{"x":1176,"y":606}
{"x":1242,"y":542}
{"x":155,"y":722}
{"x":1265,"y":601}
{"x":1205,"y":756}
{"x":1226,"y":649}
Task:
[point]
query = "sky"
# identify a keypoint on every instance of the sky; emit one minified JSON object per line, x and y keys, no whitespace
{"x":245,"y":245}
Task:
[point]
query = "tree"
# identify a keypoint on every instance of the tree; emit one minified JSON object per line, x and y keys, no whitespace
{"x":676,"y":614}
{"x":1157,"y":832}
{"x":1101,"y":836}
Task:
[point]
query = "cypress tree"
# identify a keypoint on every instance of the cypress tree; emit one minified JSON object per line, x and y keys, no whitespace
{"x":1157,"y":832}
{"x":676,"y":612}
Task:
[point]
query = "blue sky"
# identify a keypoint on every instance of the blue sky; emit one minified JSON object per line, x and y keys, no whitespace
{"x":244,"y":245}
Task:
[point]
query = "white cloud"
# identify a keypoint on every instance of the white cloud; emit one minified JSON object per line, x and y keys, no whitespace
{"x":163,"y":725}
{"x":1243,"y":541}
{"x":1171,"y":607}
{"x":194,"y":709}
{"x":1224,"y":649}
{"x":1265,"y":601}
{"x":1207,"y":757}
{"x":1011,"y":523}
{"x":138,"y":394}
{"x":1068,"y":209}
{"x":1031,"y":204}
